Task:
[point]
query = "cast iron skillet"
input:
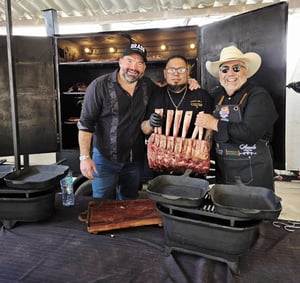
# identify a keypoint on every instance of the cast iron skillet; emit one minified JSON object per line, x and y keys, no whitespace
{"x":245,"y":201}
{"x":178,"y":190}
{"x":36,"y":177}
{"x":4,"y":170}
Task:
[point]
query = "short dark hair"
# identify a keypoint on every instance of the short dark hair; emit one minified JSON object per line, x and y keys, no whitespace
{"x":177,"y":56}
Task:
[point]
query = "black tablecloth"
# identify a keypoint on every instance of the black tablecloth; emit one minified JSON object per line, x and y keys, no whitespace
{"x":61,"y":250}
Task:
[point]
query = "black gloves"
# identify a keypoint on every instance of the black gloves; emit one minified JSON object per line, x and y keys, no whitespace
{"x":155,"y":120}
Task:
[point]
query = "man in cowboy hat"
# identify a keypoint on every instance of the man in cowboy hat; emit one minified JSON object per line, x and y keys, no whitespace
{"x":242,"y":121}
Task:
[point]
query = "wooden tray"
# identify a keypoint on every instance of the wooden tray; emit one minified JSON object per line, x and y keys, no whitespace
{"x":114,"y":214}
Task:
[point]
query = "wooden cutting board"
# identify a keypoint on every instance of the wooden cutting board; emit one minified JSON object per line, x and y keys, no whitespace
{"x":108,"y":215}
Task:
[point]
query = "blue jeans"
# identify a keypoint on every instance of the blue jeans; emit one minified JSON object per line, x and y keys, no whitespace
{"x":116,"y":180}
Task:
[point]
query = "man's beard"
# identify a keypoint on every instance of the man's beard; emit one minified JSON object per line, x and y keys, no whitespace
{"x":176,"y":88}
{"x":129,"y":78}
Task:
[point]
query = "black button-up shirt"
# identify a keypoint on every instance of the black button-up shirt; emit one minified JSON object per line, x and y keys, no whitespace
{"x":114,"y":117}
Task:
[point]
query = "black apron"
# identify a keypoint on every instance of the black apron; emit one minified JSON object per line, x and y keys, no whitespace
{"x":252,"y":164}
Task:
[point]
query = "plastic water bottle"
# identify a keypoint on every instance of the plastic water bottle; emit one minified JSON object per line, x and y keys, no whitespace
{"x":67,"y":191}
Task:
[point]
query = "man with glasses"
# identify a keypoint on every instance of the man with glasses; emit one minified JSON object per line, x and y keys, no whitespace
{"x":242,"y":121}
{"x":109,"y":127}
{"x":176,"y":95}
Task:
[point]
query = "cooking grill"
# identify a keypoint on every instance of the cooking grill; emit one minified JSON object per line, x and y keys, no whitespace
{"x":28,"y":195}
{"x":25,"y":205}
{"x":207,"y":212}
{"x":203,"y":231}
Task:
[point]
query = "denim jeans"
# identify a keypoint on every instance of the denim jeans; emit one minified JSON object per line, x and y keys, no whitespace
{"x":116,"y":180}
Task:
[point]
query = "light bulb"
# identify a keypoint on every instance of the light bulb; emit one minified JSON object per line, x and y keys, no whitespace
{"x":163,"y":47}
{"x":87,"y":50}
{"x":192,"y":46}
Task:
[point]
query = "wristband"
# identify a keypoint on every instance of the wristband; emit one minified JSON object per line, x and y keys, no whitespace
{"x":84,"y":157}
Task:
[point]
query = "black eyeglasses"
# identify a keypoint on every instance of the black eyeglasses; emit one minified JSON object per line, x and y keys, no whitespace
{"x":235,"y":68}
{"x":180,"y":70}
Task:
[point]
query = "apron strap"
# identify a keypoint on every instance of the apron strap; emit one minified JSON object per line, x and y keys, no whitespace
{"x":243,"y":98}
{"x":241,"y":101}
{"x":221,"y":100}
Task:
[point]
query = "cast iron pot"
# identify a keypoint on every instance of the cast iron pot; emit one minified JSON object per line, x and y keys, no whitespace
{"x":36,"y":177}
{"x":178,"y":190}
{"x":245,"y":201}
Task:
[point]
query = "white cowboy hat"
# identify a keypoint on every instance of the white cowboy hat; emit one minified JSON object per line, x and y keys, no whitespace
{"x":231,"y":53}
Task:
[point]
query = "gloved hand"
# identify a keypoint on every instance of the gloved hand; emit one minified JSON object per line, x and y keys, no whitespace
{"x":155,"y":120}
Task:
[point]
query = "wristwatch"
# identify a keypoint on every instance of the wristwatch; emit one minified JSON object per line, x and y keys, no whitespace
{"x":84,"y":157}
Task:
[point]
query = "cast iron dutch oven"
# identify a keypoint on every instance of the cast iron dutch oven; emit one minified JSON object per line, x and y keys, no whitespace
{"x":245,"y":201}
{"x":178,"y":190}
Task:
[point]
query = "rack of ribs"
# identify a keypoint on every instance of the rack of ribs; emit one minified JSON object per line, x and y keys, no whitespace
{"x":175,"y":153}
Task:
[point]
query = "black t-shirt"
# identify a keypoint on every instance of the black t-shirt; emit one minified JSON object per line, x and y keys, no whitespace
{"x":196,"y":101}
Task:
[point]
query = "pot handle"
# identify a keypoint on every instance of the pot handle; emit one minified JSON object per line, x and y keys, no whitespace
{"x":187,"y":172}
{"x":83,"y":216}
{"x":278,"y":199}
{"x":238,"y":181}
{"x":170,"y":197}
{"x":250,"y":211}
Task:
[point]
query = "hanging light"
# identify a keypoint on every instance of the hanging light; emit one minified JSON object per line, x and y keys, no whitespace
{"x":112,"y":49}
{"x":164,"y":47}
{"x":192,"y":45}
{"x":88,"y":50}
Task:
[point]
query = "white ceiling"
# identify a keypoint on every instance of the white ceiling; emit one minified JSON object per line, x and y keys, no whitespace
{"x":31,"y":10}
{"x":106,"y":13}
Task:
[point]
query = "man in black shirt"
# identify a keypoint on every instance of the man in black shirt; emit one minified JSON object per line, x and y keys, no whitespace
{"x":176,"y":97}
{"x":113,"y":109}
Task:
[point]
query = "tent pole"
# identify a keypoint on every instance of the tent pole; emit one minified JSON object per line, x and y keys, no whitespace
{"x":12,"y":84}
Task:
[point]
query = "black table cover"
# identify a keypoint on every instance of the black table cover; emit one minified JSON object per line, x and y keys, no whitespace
{"x":61,"y":250}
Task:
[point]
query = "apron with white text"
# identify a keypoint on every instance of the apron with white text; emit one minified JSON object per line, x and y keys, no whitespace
{"x":250,"y":163}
